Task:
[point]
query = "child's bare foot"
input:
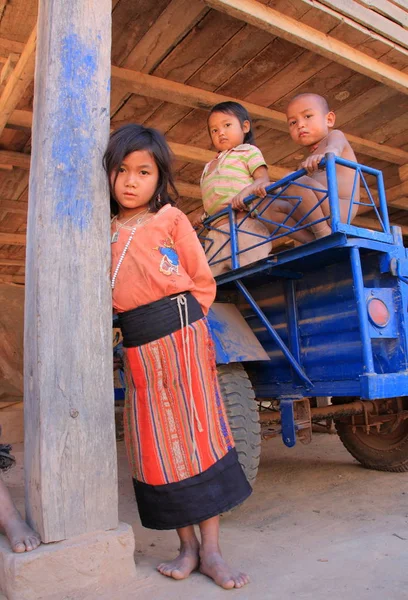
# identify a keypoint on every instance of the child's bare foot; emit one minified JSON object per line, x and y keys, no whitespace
{"x":21,"y":537}
{"x":186,"y":562}
{"x":214,"y":566}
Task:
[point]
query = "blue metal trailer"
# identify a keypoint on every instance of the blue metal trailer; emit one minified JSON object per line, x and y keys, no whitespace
{"x":325,"y":319}
{"x":328,"y":319}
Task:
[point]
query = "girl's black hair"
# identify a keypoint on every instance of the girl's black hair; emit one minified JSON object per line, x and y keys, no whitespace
{"x":239,"y":111}
{"x":130,"y":138}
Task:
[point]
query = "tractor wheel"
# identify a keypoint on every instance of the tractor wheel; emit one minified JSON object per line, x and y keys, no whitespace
{"x":383,"y":450}
{"x":243,"y":416}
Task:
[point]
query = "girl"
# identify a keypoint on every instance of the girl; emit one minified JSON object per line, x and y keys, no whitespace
{"x":181,"y":453}
{"x":237,"y":171}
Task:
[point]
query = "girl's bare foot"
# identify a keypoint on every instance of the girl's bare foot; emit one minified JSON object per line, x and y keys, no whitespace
{"x":186,"y":562}
{"x":214,"y":566}
{"x":21,"y":537}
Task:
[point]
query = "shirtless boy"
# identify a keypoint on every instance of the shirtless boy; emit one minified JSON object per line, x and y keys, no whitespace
{"x":311,"y":125}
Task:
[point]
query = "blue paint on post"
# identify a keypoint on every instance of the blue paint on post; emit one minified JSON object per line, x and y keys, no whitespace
{"x":74,"y":145}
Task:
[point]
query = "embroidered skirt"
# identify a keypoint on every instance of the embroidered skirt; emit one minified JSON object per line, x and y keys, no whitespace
{"x":180,"y":448}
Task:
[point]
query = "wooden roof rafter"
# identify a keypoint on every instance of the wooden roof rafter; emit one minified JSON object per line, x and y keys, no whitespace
{"x":17,"y":279}
{"x":377,"y":15}
{"x":19,"y":79}
{"x":179,"y":93}
{"x":13,"y":239}
{"x":268,"y":19}
{"x":177,"y":19}
{"x":12,"y":262}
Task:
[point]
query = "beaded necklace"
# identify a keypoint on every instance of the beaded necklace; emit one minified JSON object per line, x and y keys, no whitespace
{"x":138,"y":223}
{"x":115,"y":235}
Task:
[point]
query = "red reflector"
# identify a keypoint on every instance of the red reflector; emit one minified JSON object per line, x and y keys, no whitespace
{"x":378,"y":312}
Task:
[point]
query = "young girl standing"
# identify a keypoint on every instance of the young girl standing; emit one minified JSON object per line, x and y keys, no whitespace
{"x":237,"y":171}
{"x":181,"y":453}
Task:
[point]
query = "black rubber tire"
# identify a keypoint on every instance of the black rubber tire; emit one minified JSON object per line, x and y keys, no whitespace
{"x":386,"y":450}
{"x":243,"y":416}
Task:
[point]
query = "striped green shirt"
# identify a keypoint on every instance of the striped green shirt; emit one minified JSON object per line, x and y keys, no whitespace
{"x":232,"y":173}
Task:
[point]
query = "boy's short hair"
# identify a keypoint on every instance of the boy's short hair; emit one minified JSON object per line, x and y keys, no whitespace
{"x":322,"y":101}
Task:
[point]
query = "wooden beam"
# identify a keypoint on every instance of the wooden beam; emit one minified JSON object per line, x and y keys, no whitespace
{"x":8,"y":66}
{"x":176,"y":20}
{"x":187,"y":95}
{"x":180,"y":151}
{"x":403,"y":172}
{"x":380,"y":151}
{"x":397,"y":196}
{"x":12,"y":239}
{"x":402,"y":3}
{"x":21,"y":118}
{"x":7,"y":46}
{"x":389,"y":10}
{"x":201,"y":156}
{"x":268,"y":19}
{"x":397,"y":192}
{"x":369,"y":223}
{"x":12,"y":262}
{"x":370,"y":18}
{"x":13,"y":206}
{"x":19,"y":80}
{"x":188,"y":190}
{"x":180,"y":93}
{"x":16,"y":159}
{"x":4,"y":278}
{"x":163,"y":89}
{"x":70,"y":450}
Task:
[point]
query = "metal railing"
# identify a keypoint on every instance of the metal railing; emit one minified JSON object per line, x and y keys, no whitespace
{"x":259,"y":207}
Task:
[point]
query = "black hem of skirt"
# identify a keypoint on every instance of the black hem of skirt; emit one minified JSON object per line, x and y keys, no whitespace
{"x":220,"y":488}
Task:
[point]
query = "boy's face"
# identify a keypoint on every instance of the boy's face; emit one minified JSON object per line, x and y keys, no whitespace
{"x":308,"y":122}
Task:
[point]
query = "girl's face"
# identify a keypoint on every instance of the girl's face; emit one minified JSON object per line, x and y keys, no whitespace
{"x":226,"y":130}
{"x":136,"y":182}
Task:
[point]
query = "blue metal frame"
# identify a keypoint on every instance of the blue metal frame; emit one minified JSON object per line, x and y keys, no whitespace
{"x":354,"y":244}
{"x":257,"y":208}
{"x":369,"y":263}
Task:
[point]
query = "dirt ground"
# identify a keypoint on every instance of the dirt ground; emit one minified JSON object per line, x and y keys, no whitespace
{"x":318,"y":526}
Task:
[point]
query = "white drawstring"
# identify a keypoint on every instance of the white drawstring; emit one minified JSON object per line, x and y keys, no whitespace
{"x":185,"y":338}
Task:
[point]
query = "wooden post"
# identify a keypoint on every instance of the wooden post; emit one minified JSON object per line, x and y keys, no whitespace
{"x":70,"y":451}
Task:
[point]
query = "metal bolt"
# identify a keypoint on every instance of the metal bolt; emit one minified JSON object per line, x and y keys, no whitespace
{"x":74,"y":413}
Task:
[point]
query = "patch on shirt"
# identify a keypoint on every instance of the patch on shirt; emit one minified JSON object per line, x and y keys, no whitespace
{"x":169,"y":264}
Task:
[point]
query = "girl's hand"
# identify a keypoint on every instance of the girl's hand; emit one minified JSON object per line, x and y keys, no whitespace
{"x":259,"y":189}
{"x":312,"y":162}
{"x":237,"y":202}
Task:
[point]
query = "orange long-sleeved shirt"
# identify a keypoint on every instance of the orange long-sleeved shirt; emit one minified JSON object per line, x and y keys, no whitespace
{"x":164,"y":258}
